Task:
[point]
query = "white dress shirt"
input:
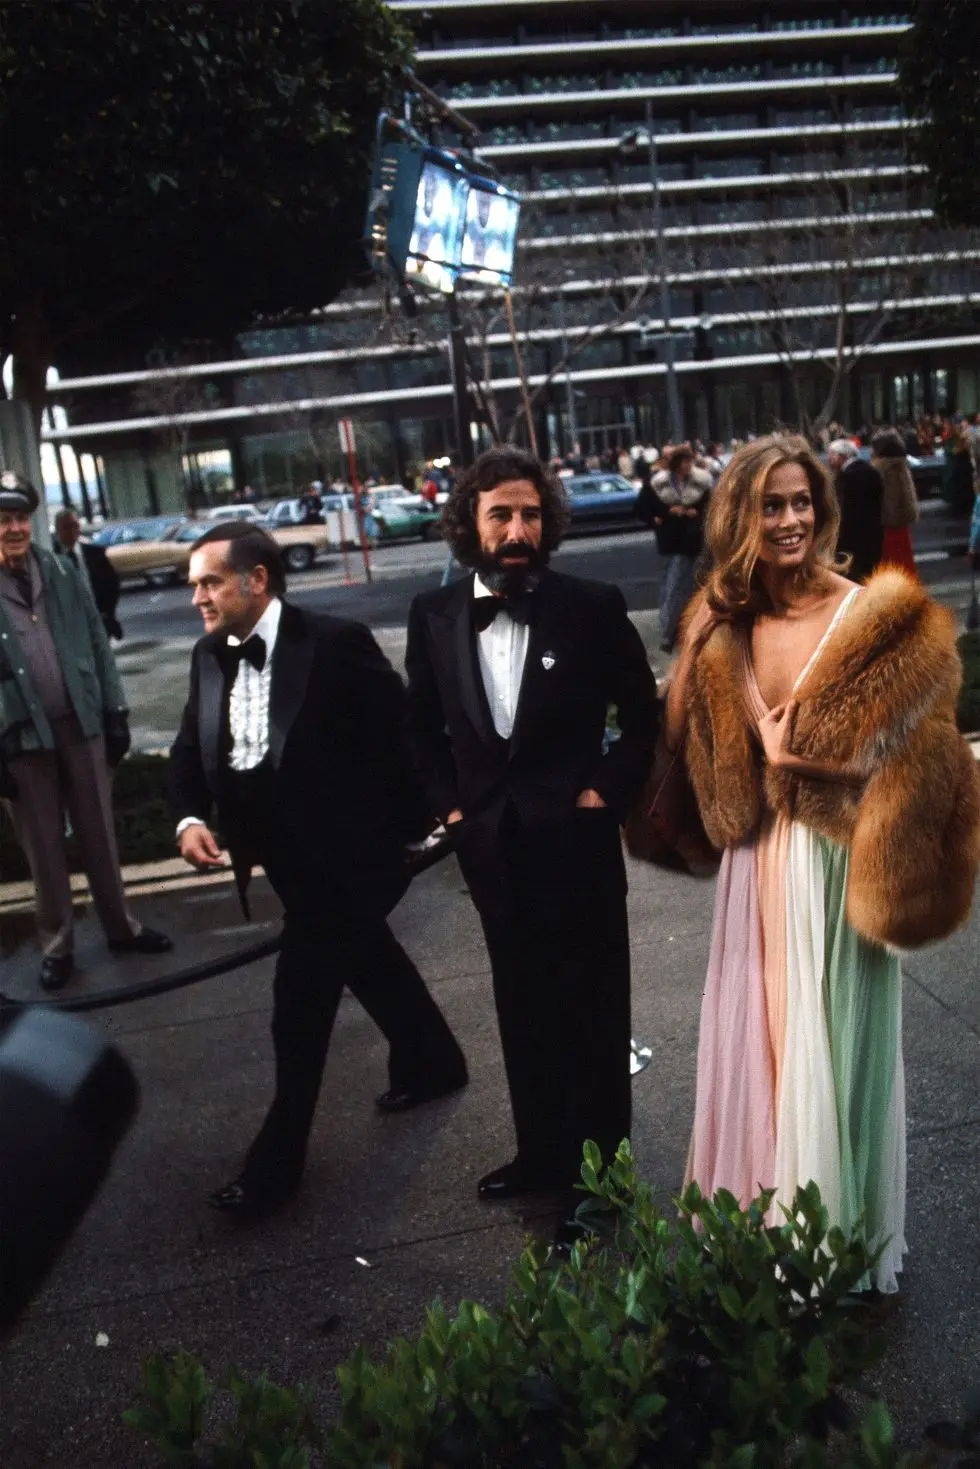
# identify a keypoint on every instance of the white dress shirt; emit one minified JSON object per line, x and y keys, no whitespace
{"x":502,"y":650}
{"x":248,"y":705}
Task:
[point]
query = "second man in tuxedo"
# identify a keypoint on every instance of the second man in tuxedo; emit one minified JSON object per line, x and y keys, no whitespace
{"x":293,"y":732}
{"x":512,"y":671}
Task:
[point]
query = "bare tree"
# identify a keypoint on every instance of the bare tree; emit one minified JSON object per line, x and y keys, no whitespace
{"x":834,"y":259}
{"x":572,"y":291}
{"x":171,"y":398}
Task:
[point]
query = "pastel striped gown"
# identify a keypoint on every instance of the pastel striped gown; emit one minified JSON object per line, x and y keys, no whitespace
{"x":800,"y":1071}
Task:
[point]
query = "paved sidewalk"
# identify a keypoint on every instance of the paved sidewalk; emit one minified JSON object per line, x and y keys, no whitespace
{"x":152,"y":1268}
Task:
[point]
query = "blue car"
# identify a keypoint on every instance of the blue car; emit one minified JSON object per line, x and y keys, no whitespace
{"x":600,"y":501}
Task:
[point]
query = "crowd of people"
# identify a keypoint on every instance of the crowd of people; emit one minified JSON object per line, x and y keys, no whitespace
{"x":810,"y":713}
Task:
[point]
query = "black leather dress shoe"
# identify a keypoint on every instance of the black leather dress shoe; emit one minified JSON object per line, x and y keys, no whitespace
{"x":245,"y":1201}
{"x":513,"y":1180}
{"x":404,"y":1098}
{"x":147,"y":941}
{"x":56,"y":971}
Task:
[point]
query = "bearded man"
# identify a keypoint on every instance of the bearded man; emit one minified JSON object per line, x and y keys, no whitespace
{"x":512,"y":671}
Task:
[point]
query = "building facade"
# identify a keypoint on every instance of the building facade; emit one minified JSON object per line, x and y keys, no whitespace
{"x":773,"y":251}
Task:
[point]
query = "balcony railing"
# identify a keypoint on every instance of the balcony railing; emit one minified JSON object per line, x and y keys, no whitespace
{"x":701,"y":186}
{"x":610,"y":97}
{"x":525,"y":148}
{"x":668,"y":45}
{"x":605,"y":238}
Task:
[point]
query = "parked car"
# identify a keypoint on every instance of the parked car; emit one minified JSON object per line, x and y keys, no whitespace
{"x":234,"y":512}
{"x":926,"y":470}
{"x":163,"y":562}
{"x":601,"y":500}
{"x":127,"y":532}
{"x":290,"y":512}
{"x":401,"y":520}
{"x":391,"y":495}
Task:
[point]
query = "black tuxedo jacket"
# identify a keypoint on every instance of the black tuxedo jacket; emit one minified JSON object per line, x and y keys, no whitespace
{"x":345,"y":801}
{"x":104,"y":581}
{"x":583,"y":655}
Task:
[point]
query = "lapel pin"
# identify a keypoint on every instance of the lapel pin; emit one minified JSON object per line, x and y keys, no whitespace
{"x":548,"y":662}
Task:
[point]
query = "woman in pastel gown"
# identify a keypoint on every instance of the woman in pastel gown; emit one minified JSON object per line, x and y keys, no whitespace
{"x":819,"y":735}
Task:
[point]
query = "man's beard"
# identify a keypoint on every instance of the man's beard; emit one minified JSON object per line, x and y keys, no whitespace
{"x":510,"y":581}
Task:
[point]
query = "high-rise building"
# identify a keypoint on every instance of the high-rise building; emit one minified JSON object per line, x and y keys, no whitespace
{"x":719,"y":204}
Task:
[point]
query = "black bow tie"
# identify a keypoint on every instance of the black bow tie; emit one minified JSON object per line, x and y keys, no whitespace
{"x":252,"y":651}
{"x":485,"y":609}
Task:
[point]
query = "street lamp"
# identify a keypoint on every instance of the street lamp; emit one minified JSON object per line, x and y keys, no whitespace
{"x":630,"y":142}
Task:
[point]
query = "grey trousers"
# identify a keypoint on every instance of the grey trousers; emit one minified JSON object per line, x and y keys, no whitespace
{"x":676,"y":590}
{"x":73,"y":777}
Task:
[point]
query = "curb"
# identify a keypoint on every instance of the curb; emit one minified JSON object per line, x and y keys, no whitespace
{"x":143,"y":879}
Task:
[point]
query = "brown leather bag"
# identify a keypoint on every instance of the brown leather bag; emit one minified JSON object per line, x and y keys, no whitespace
{"x":664,"y":827}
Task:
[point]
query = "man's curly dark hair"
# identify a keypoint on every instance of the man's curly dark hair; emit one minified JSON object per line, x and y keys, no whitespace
{"x":494,"y":468}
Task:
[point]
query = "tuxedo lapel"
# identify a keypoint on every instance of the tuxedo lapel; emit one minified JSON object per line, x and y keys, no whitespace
{"x":292,"y":662}
{"x":546,"y":634}
{"x":457,"y":637}
{"x":210,"y":694}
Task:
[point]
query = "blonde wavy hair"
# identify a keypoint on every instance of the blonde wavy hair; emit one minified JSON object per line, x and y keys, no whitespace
{"x":734,"y":526}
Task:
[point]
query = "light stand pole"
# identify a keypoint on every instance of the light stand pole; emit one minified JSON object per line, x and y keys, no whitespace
{"x":461,"y":392}
{"x":674,"y":416}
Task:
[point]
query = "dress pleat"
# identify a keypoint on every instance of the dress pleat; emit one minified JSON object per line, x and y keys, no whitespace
{"x":800,"y":1073}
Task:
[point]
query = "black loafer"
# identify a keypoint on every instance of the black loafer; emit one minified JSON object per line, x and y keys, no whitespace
{"x":513,"y":1180}
{"x":404,"y":1098}
{"x":56,"y":971}
{"x":147,"y":941}
{"x":245,"y":1201}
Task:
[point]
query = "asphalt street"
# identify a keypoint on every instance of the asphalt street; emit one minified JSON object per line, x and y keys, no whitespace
{"x":628,"y":558}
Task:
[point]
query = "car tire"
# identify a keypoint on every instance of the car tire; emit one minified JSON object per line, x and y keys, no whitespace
{"x":298,"y":558}
{"x":167,"y":576}
{"x":432,"y":532}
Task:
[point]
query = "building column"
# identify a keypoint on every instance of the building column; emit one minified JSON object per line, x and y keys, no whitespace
{"x":100,"y":488}
{"x":83,"y":486}
{"x":62,"y":477}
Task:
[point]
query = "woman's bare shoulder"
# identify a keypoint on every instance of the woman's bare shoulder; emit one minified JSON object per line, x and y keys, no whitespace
{"x":838,"y":586}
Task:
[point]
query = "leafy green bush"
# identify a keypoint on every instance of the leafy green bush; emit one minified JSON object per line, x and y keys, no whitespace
{"x":707,"y":1339}
{"x":968,"y":709}
{"x":271,"y":1427}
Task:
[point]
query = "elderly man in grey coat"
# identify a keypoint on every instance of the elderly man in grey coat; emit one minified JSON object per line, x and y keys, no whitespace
{"x":62,"y":725}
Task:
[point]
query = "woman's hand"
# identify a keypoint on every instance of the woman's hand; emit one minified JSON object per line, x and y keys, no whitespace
{"x":676,"y":510}
{"x":776,"y":733}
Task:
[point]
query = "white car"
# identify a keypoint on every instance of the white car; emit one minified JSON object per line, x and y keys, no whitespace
{"x":234,"y":512}
{"x":392,"y":495}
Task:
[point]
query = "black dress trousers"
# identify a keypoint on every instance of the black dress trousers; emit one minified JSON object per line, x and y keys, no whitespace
{"x":561,"y":974}
{"x":325,"y":947}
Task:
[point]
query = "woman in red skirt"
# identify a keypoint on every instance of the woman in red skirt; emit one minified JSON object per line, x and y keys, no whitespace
{"x":899,"y":503}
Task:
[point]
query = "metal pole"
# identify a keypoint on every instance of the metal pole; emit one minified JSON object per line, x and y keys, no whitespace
{"x":674,"y":416}
{"x":461,"y":396}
